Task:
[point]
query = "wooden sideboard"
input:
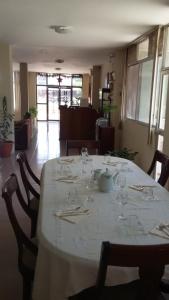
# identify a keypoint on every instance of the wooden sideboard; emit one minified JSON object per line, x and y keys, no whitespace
{"x":78,"y":123}
{"x":106,"y":137}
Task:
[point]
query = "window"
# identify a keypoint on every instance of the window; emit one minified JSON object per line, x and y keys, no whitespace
{"x":41,"y":79}
{"x":145,"y":91}
{"x":52,"y":79}
{"x":166,"y":55}
{"x":65,"y":80}
{"x":142,"y":49}
{"x":139,"y":82}
{"x":77,"y":81}
{"x":163,"y":101}
{"x":132,"y":86}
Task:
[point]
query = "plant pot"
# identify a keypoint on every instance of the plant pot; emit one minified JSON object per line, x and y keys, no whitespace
{"x":6,"y":148}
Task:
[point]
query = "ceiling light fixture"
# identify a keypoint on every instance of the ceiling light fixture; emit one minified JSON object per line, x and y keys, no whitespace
{"x":61,"y":29}
{"x":59,"y":60}
{"x":58,"y":69}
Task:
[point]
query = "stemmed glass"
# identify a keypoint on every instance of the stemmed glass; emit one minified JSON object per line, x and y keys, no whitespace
{"x":84,"y":155}
{"x":122,"y":194}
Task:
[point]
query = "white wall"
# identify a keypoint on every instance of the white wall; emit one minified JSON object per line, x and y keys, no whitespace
{"x":6,"y":84}
{"x":6,"y":88}
{"x":134,"y":137}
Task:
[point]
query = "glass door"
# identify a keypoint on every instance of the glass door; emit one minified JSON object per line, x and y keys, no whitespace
{"x":65,"y":96}
{"x":53,"y":104}
{"x":41,"y":103}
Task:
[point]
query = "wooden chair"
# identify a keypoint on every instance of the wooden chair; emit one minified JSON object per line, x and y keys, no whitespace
{"x":150,"y":261}
{"x":27,"y":249}
{"x":22,"y":156}
{"x":164,"y":160}
{"x":93,"y":146}
{"x":32,"y":195}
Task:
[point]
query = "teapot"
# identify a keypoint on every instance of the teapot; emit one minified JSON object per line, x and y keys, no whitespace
{"x":106,"y":181}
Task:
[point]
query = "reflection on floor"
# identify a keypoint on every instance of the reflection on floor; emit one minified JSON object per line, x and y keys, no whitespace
{"x":44,"y":146}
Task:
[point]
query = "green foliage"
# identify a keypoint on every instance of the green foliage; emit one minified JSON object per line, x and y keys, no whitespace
{"x":33,"y":111}
{"x":124,"y":153}
{"x":5,"y":121}
{"x":108,"y":107}
{"x":27,"y":115}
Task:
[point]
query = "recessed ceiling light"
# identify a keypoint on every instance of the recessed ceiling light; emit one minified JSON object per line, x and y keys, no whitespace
{"x":58,"y":69}
{"x":62,"y":29}
{"x":59,"y":60}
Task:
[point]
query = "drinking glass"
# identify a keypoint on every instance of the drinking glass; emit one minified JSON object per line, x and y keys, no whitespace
{"x":84,"y":153}
{"x":122,"y":195}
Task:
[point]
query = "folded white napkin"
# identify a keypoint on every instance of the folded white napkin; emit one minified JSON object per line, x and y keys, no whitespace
{"x":136,"y":188}
{"x":65,"y":160}
{"x":68,"y":179}
{"x":72,"y":215}
{"x":161,"y":230}
{"x":115,"y":163}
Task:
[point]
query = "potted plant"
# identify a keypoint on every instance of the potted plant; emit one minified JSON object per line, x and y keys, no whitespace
{"x":124,"y":153}
{"x":107,"y":109}
{"x":33,"y":111}
{"x":5,"y":130}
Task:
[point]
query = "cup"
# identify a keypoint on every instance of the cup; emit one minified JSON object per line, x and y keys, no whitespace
{"x":107,"y":158}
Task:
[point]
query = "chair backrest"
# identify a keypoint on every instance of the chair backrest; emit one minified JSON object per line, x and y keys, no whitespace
{"x":22,"y":156}
{"x":24,"y":170}
{"x":78,"y":144}
{"x":164,"y":160}
{"x":10,"y":192}
{"x":150,"y":259}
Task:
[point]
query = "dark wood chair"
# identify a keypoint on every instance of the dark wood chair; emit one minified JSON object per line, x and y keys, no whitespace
{"x":164,"y":160}
{"x":27,"y":249}
{"x":32,"y":195}
{"x":150,"y":261}
{"x":93,"y":146}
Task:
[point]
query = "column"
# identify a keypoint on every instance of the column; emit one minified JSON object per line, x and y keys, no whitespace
{"x":24,"y":88}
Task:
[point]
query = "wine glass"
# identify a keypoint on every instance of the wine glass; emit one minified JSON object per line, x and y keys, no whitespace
{"x":122,"y":195}
{"x":84,"y":153}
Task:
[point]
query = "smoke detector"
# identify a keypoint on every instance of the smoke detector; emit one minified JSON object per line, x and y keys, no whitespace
{"x":61,"y":29}
{"x":59,"y":60}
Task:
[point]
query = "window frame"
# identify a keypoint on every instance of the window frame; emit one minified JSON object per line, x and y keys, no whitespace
{"x":140,"y":64}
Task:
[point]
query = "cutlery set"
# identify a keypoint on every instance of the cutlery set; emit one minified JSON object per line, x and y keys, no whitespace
{"x":68,"y":179}
{"x":72,"y":212}
{"x":140,"y":188}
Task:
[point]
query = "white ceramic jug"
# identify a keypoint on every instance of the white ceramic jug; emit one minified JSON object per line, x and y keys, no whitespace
{"x":106,"y":181}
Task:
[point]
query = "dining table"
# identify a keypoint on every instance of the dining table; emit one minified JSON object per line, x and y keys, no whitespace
{"x":75,"y":217}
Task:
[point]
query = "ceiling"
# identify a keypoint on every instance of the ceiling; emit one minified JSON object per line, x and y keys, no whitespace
{"x":97,"y":27}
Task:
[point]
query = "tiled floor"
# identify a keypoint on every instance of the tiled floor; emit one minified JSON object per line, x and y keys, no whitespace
{"x":43,"y":147}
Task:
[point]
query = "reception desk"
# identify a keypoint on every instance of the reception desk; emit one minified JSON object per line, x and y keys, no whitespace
{"x":77,"y":123}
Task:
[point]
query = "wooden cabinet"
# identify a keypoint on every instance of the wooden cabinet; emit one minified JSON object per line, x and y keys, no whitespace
{"x":105,"y":103}
{"x":78,"y":123}
{"x":106,"y":137}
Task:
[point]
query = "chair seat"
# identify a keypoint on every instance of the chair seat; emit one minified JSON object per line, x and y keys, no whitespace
{"x":34,"y":204}
{"x":129,"y":291}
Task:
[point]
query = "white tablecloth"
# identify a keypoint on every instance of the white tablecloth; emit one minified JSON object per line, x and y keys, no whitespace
{"x":69,"y":253}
